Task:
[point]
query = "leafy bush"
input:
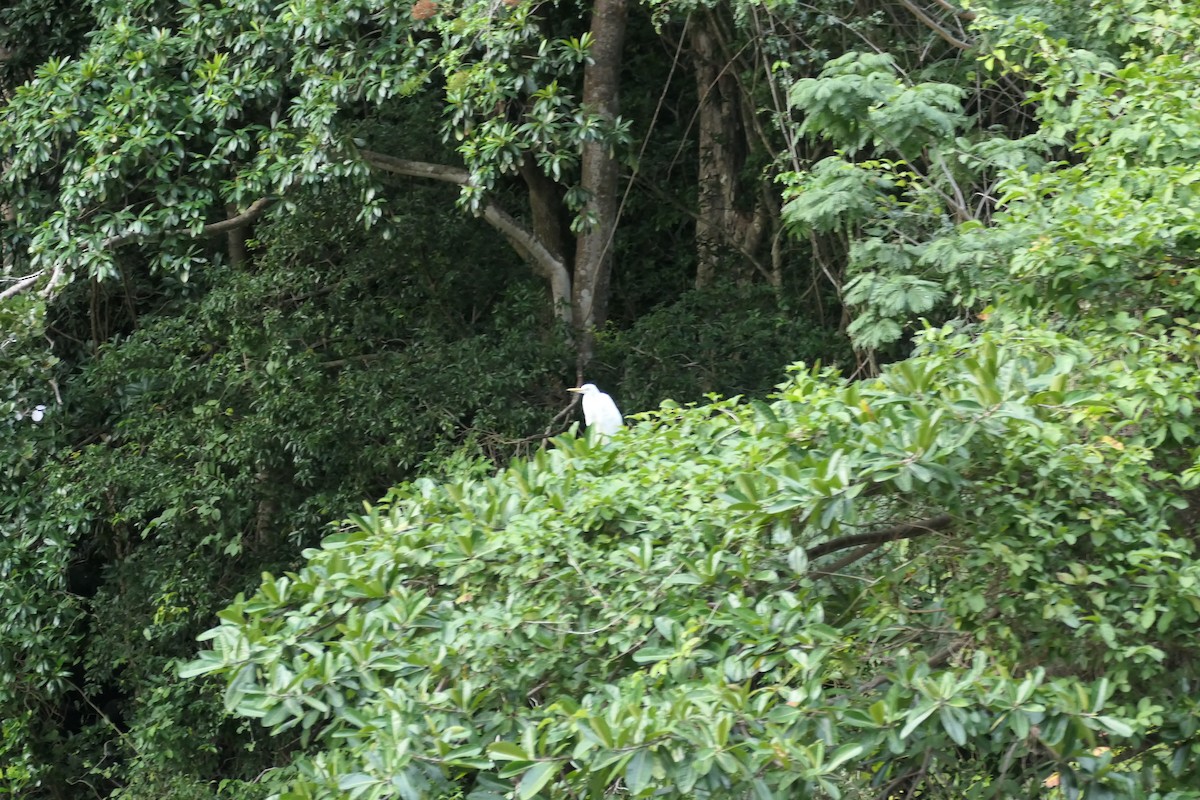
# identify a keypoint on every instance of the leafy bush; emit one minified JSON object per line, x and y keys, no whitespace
{"x":704,"y":606}
{"x":211,"y":441}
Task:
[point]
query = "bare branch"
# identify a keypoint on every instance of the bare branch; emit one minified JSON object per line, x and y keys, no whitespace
{"x":836,"y":567}
{"x":905,"y":530}
{"x":55,"y":277}
{"x":575,"y":400}
{"x":536,"y":253}
{"x":939,"y":659}
{"x":416,"y":169}
{"x":932,"y":24}
{"x":529,"y":246}
{"x":253,"y":212}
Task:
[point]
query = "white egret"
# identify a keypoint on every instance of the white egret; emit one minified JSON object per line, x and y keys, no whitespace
{"x":37,"y":414}
{"x":599,"y":411}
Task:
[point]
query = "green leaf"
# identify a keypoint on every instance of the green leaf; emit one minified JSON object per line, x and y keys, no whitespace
{"x":639,"y":771}
{"x":843,"y":754}
{"x":1116,"y":726}
{"x":507,"y":751}
{"x":355,"y":780}
{"x":917,"y":716}
{"x":797,"y":560}
{"x":537,"y":777}
{"x":952,"y":723}
{"x":206,"y":663}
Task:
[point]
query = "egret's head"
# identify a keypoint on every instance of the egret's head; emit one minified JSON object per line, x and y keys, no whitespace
{"x":587,"y":388}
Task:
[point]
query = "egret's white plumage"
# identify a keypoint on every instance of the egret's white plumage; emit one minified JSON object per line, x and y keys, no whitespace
{"x":599,"y":410}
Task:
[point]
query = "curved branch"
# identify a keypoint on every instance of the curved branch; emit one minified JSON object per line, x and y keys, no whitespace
{"x":253,"y":212}
{"x":533,"y":250}
{"x":905,"y":530}
{"x":529,"y":246}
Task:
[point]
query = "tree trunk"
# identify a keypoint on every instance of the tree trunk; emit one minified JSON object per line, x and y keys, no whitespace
{"x":581,"y":296}
{"x":599,"y":177}
{"x":724,"y":232}
{"x":7,"y":256}
{"x":546,"y":208}
{"x":235,"y":239}
{"x":549,"y":227}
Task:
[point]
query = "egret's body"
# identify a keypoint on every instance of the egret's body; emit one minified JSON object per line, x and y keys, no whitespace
{"x":599,"y":411}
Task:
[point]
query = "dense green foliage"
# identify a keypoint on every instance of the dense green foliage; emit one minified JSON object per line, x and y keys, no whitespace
{"x":218,"y":436}
{"x":657,"y":612}
{"x":233,"y":310}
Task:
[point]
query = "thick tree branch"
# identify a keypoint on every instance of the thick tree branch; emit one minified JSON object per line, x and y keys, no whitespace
{"x":846,"y":560}
{"x":20,"y":286}
{"x":532,"y":249}
{"x":253,"y":212}
{"x":932,"y":24}
{"x":235,"y":241}
{"x":416,"y":169}
{"x":545,"y":208}
{"x":905,"y":530}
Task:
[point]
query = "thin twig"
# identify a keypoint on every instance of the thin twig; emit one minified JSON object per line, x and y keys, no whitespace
{"x":938,"y":659}
{"x":561,"y":415}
